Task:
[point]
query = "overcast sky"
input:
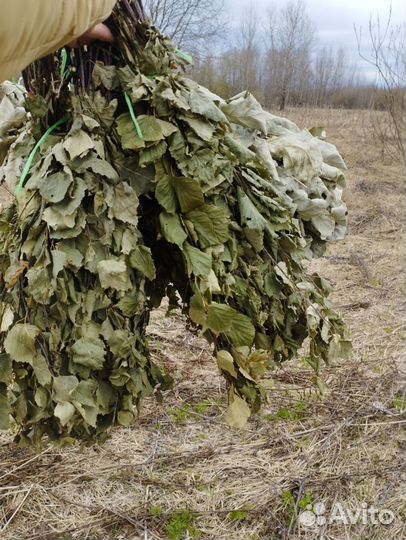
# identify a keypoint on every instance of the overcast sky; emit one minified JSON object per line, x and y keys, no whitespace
{"x":335,"y":20}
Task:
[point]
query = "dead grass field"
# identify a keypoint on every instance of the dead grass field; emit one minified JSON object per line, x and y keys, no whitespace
{"x":181,"y":473}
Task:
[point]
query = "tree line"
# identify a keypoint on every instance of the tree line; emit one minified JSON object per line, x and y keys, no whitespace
{"x":279,"y":59}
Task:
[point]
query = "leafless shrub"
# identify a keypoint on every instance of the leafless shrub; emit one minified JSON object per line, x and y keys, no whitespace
{"x":387,"y":56}
{"x":291,"y":36}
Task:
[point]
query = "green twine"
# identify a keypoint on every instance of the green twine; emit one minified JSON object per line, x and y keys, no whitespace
{"x":65,"y":69}
{"x":185,"y":56}
{"x":33,"y":154}
{"x":64,"y":64}
{"x":60,"y":122}
{"x":44,"y":138}
{"x":18,"y":86}
{"x":133,"y":117}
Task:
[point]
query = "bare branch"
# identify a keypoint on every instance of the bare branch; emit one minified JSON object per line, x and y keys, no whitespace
{"x":189,"y":22}
{"x":387,"y":57}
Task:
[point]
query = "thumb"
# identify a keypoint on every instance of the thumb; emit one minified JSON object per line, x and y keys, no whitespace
{"x":100,"y":32}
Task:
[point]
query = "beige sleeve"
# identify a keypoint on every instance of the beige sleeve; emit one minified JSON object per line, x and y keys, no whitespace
{"x":31,"y":29}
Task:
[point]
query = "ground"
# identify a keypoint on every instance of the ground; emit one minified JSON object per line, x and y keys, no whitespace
{"x":180,"y":472}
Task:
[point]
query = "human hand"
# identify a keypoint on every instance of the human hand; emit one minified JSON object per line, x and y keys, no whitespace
{"x":100,"y":32}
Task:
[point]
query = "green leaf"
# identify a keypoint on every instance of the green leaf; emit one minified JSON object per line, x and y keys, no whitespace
{"x":78,"y":144}
{"x":89,"y":414}
{"x":241,"y":331}
{"x":238,"y":413}
{"x":201,"y":104}
{"x":41,"y":370}
{"x":85,"y":393}
{"x":189,"y":193}
{"x":152,"y":154}
{"x":89,"y":352}
{"x":65,"y":412}
{"x":98,"y":166}
{"x":6,"y":317}
{"x":198,"y":262}
{"x":197,"y":311}
{"x":59,"y":259}
{"x":14,"y":273}
{"x":90,"y":123}
{"x":130,"y":305}
{"x":141,"y":259}
{"x":211,"y":225}
{"x":166,"y":195}
{"x":223,"y":319}
{"x":20,"y":343}
{"x":125,"y":204}
{"x":59,"y":221}
{"x":150,"y":127}
{"x":104,"y":109}
{"x":6,"y":369}
{"x":255,"y":238}
{"x":105,"y":395}
{"x":282,"y":271}
{"x":172,"y":229}
{"x":325,"y":225}
{"x":74,"y":198}
{"x":54,"y":188}
{"x":37,"y":105}
{"x":168,"y":129}
{"x":105,"y":76}
{"x":62,"y":388}
{"x":250,"y":216}
{"x":211,"y":283}
{"x":20,"y":409}
{"x":42,"y":397}
{"x":121,"y":344}
{"x":63,"y":215}
{"x":225,"y":363}
{"x":39,"y":286}
{"x":128,"y":134}
{"x":114,"y":274}
{"x":125,"y":418}
{"x":141,"y":180}
{"x":204,"y":129}
{"x":219,"y":317}
{"x":74,"y":258}
{"x":174,"y":99}
{"x":313,"y":317}
{"x":5,"y":411}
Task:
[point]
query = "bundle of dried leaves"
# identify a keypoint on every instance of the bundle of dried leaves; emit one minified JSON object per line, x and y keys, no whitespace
{"x":134,"y":183}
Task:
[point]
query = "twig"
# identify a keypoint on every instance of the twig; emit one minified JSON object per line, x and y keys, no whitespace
{"x":17,"y":509}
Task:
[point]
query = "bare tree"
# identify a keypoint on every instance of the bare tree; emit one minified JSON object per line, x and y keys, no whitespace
{"x":388,"y":57}
{"x":190,"y":23}
{"x":291,"y":37}
{"x":238,"y":67}
{"x":248,"y":51}
{"x":332,"y":72}
{"x":280,"y":64}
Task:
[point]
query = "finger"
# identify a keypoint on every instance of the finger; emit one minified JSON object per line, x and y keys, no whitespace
{"x":100,"y":32}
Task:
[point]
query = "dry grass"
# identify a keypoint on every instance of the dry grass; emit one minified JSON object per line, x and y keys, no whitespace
{"x":343,"y":446}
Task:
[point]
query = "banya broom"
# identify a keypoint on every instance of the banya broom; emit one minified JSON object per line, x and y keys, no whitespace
{"x":133,"y":183}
